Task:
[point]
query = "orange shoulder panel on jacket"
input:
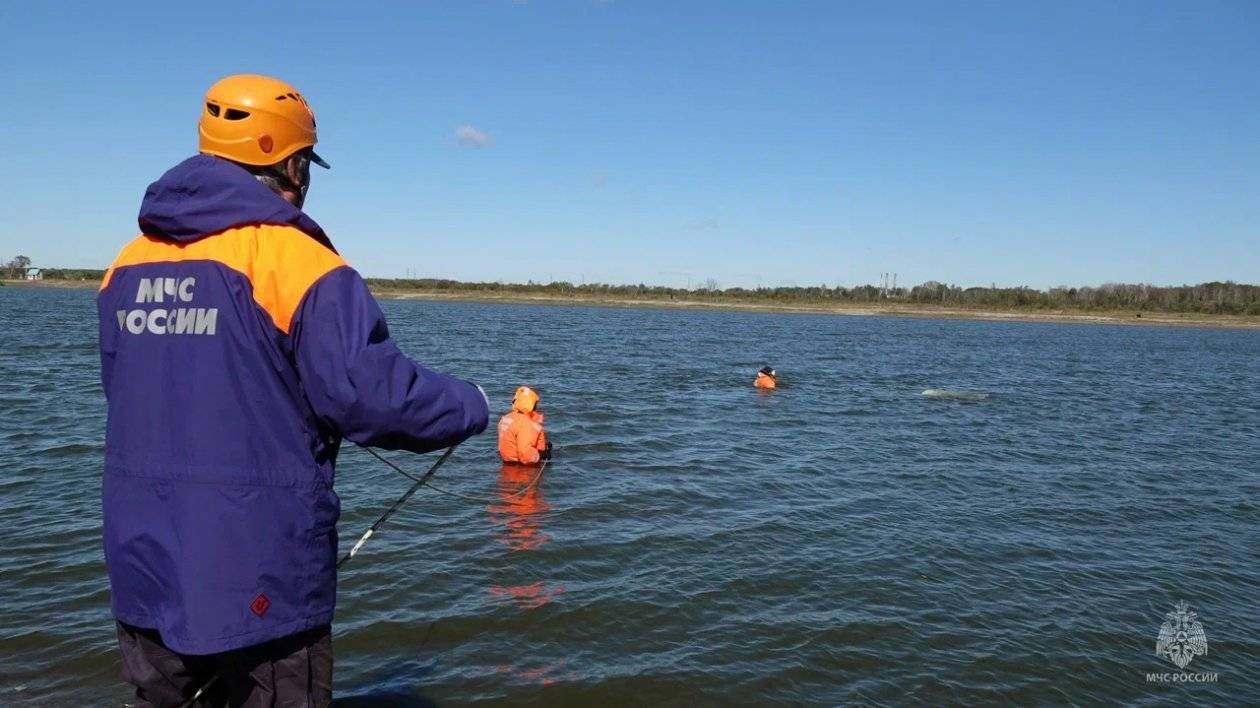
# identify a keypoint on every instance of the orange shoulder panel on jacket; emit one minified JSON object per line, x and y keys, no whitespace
{"x":280,"y":262}
{"x":763,"y":381}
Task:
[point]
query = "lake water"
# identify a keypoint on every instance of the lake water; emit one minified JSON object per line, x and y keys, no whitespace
{"x":841,"y":540}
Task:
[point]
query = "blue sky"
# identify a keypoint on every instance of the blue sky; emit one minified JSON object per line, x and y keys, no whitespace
{"x":625,"y":141}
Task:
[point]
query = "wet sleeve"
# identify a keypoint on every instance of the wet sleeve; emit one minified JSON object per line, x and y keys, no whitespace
{"x":362,"y":386}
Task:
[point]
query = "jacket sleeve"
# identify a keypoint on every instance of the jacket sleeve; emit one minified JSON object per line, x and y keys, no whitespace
{"x":359,"y":383}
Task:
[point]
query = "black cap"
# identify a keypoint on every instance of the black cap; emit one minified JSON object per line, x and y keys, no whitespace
{"x":767,"y":371}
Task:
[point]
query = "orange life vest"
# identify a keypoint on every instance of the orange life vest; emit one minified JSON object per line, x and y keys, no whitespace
{"x":521,"y":437}
{"x":763,"y":381}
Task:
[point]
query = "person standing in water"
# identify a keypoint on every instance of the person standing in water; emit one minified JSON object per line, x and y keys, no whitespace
{"x":766,"y":378}
{"x":238,"y":350}
{"x":522,"y":439}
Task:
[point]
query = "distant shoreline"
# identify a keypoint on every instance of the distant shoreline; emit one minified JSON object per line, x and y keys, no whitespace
{"x":885,"y":309}
{"x":1165,"y":319}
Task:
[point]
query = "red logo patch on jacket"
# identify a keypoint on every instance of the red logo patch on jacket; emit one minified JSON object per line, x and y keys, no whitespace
{"x":260,"y":605}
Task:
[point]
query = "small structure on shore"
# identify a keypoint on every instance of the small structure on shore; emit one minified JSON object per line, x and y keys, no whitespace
{"x":34,"y":273}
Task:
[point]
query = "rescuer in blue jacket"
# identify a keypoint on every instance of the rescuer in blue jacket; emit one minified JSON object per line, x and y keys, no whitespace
{"x":237,"y":351}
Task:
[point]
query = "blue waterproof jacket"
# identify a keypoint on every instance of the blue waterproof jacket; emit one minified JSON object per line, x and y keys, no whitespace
{"x":237,"y":351}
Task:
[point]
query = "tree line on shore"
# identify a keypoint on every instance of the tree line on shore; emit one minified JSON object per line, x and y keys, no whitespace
{"x":88,"y":274}
{"x":16,"y":268}
{"x":1225,"y":298}
{"x":1207,"y":298}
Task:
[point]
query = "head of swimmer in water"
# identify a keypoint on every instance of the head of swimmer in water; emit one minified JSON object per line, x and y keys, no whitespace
{"x":767,"y":371}
{"x":525,"y":400}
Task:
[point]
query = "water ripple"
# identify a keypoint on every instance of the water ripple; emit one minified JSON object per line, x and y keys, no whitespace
{"x":844,"y":539}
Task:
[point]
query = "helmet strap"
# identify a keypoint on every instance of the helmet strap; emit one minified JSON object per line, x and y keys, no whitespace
{"x":279,"y":173}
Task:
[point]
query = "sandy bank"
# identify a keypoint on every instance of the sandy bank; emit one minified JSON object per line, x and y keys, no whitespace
{"x":71,"y":284}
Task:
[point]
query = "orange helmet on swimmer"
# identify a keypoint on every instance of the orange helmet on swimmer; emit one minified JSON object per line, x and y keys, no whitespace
{"x":525,"y":400}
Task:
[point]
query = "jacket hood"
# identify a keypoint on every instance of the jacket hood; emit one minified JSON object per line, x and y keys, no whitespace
{"x":204,"y":195}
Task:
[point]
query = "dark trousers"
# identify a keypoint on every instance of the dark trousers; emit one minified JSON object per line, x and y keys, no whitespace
{"x":293,"y":671}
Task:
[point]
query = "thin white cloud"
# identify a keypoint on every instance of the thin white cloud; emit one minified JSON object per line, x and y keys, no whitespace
{"x":470,"y":136}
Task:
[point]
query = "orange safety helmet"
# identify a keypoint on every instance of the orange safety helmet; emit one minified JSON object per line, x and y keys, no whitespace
{"x":525,"y":400}
{"x":256,"y":120}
